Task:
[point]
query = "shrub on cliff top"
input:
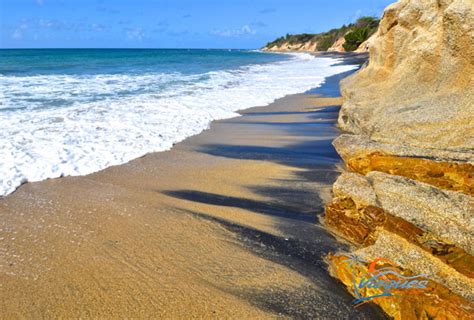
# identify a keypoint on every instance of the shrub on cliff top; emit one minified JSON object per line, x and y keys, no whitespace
{"x":367,"y":22}
{"x":325,"y":40}
{"x":300,"y":38}
{"x":292,"y":39}
{"x":355,"y":38}
{"x":363,"y":29}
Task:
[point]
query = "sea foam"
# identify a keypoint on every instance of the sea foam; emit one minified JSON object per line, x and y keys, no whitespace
{"x":68,"y":125}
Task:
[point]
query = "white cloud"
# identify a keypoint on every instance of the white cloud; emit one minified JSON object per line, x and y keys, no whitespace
{"x":136,"y":34}
{"x":45,"y":23}
{"x":53,"y":24}
{"x":97,"y":27}
{"x":18,"y":33}
{"x":245,"y":30}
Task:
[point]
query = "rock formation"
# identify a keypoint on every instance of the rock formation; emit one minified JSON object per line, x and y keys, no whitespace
{"x":409,"y":144}
{"x":364,"y":46}
{"x":418,"y":89}
{"x":338,"y":45}
{"x":286,"y":46}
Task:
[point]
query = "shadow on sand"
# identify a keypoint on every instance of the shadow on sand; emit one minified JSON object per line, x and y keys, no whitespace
{"x":295,"y":205}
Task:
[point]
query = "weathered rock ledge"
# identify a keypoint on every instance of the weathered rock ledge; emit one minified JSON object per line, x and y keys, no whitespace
{"x":408,"y":195}
{"x":311,"y":46}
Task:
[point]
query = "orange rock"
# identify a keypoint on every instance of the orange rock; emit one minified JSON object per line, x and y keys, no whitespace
{"x":358,"y":223}
{"x":436,"y":302}
{"x":444,"y":175}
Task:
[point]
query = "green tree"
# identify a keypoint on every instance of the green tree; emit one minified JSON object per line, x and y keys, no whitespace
{"x":354,"y":34}
{"x":355,"y":38}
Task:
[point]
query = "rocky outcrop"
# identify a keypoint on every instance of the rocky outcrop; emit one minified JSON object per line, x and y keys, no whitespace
{"x":364,"y":46}
{"x":286,"y":46}
{"x":409,"y":148}
{"x":338,"y":45}
{"x":418,"y":88}
{"x":382,"y":200}
{"x":363,"y":155}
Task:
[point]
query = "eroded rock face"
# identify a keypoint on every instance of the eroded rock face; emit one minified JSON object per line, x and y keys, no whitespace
{"x":438,"y":302}
{"x":445,"y":214}
{"x":363,"y":205}
{"x":418,"y":88}
{"x":308,"y":46}
{"x":424,"y":229}
{"x":365,"y":46}
{"x":409,"y":142}
{"x":337,"y":46}
{"x":363,"y":156}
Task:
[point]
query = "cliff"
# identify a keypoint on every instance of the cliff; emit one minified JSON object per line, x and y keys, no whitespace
{"x":345,"y":38}
{"x":408,"y":147}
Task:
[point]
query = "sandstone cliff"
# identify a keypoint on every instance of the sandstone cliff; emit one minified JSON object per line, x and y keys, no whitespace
{"x":409,"y":142}
{"x":286,"y":46}
{"x":338,"y":46}
{"x":364,"y":46}
{"x":418,"y":89}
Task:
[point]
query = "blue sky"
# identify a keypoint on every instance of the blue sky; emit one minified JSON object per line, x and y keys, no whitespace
{"x":170,"y":23}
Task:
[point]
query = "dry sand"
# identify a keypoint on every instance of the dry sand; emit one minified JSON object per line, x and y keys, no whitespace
{"x":222,"y":226}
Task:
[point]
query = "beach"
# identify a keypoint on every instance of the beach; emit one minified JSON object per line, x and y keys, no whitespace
{"x":233,"y":160}
{"x":223,"y":225}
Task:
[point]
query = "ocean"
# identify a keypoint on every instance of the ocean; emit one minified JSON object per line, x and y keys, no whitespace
{"x":67,"y":112}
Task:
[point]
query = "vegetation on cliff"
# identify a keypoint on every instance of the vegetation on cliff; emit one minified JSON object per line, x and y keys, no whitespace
{"x":362,"y":30}
{"x":354,"y":34}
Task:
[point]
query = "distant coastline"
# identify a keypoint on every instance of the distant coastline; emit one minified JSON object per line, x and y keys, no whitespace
{"x":348,"y":38}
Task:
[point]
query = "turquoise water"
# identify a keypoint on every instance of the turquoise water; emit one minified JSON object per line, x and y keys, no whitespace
{"x":125,"y":61}
{"x":76,"y":111}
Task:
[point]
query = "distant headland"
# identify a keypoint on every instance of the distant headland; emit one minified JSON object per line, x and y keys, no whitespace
{"x":348,"y":38}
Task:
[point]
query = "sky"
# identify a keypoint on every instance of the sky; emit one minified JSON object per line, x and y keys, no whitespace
{"x":245,"y":24}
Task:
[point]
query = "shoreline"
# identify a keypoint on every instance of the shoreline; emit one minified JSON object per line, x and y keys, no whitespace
{"x":221,"y":225}
{"x":155,"y":125}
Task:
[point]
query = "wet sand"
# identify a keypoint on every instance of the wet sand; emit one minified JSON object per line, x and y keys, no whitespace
{"x":224,"y":225}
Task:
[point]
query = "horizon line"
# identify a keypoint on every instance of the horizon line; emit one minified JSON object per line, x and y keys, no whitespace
{"x":123,"y":48}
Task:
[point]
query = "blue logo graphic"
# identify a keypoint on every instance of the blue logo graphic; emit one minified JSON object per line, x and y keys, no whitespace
{"x":386,"y":278}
